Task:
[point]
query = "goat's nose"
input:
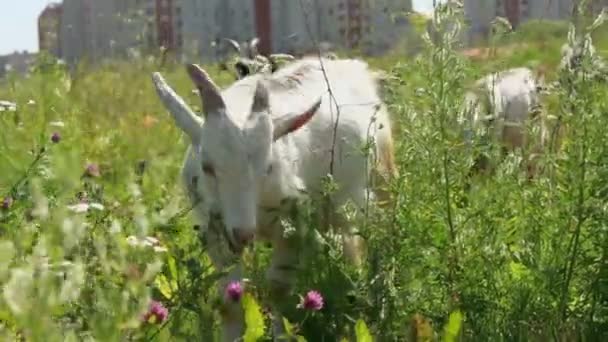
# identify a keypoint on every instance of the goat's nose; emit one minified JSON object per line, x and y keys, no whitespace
{"x":243,"y":236}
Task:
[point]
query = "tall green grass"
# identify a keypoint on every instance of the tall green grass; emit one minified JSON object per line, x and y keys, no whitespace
{"x":509,"y":259}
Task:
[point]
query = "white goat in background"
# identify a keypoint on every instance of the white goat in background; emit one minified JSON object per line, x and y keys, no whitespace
{"x":499,"y":106}
{"x":267,"y":138}
{"x":250,"y":61}
{"x":572,"y":59}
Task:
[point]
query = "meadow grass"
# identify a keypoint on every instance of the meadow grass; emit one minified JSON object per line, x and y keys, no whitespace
{"x":509,"y":259}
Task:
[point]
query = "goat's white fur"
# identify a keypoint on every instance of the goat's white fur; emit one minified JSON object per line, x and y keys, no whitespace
{"x":242,"y":144}
{"x":501,"y":103}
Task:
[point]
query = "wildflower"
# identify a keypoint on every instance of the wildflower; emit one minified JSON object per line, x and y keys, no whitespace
{"x":83,"y":207}
{"x":57,"y":124}
{"x":92,"y":170}
{"x":55,"y":137}
{"x":7,"y":202}
{"x":132,"y":240}
{"x":157,"y":311}
{"x":312,"y":301}
{"x":148,"y":241}
{"x":97,"y":206}
{"x":149,"y":121}
{"x":234,"y":291}
{"x":7,"y":106}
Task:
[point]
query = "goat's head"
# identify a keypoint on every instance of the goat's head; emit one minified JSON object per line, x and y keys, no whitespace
{"x":235,"y":156}
{"x":247,"y":66}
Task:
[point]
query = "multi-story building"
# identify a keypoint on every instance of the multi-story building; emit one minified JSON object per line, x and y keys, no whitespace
{"x":480,"y":13}
{"x":49,"y":24}
{"x":205,"y":23}
{"x":199,"y":28}
{"x":99,"y":29}
{"x":294,"y":26}
{"x":388,"y":25}
{"x":298,"y":24}
{"x":17,"y":62}
{"x":168,"y":22}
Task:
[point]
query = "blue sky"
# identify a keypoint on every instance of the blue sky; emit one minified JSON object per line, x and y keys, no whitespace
{"x":18,"y":27}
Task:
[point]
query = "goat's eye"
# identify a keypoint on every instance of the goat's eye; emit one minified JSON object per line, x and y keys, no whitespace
{"x":208,"y":170}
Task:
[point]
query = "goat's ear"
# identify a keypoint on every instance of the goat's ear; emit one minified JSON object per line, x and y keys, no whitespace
{"x":293,"y":121}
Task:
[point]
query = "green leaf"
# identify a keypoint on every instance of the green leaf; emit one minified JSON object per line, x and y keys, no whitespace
{"x":290,"y":332}
{"x":172,"y":267}
{"x":288,"y":327}
{"x":518,"y":271}
{"x":362,"y":332}
{"x":7,"y":251}
{"x":254,"y":320}
{"x":453,"y":327}
{"x":164,"y":286}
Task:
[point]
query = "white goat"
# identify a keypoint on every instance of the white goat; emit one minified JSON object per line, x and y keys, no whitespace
{"x":572,"y":59}
{"x":248,"y":60}
{"x":500,"y":104}
{"x":266,"y":138}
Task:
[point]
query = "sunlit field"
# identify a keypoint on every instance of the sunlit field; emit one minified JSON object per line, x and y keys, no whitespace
{"x":98,"y":241}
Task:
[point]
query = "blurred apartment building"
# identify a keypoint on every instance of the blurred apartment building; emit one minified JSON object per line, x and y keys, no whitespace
{"x":49,"y":28}
{"x":48,"y":39}
{"x":18,"y":62}
{"x":97,"y":29}
{"x":480,"y":13}
{"x":290,"y":26}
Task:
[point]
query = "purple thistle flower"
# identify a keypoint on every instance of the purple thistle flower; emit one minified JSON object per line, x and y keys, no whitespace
{"x":92,"y":170}
{"x":157,"y":311}
{"x":234,"y":291}
{"x":56,"y":137}
{"x":7,"y":202}
{"x":312,"y":301}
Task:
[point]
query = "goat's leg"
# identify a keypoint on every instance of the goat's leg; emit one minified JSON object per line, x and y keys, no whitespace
{"x":353,"y":244}
{"x":233,"y":322}
{"x":232,"y":316}
{"x":281,"y":274}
